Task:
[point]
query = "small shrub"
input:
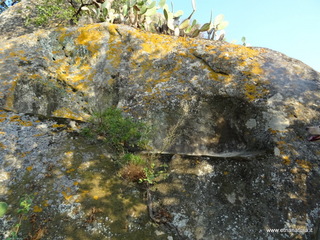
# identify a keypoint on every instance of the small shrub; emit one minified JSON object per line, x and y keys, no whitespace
{"x":25,"y":204}
{"x":121,"y":134}
{"x":134,"y":159}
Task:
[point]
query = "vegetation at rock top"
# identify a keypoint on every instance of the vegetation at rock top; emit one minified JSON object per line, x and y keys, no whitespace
{"x":149,"y":15}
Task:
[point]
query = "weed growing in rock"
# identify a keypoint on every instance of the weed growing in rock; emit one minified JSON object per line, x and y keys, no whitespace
{"x":25,"y":204}
{"x":3,"y":208}
{"x":122,"y":134}
{"x":152,"y":173}
{"x":132,"y":172}
{"x":142,"y":169}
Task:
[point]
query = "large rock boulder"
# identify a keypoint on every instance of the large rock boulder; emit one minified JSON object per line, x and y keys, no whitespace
{"x":204,"y":98}
{"x":212,"y":97}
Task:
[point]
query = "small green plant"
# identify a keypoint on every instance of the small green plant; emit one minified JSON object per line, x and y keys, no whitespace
{"x":121,"y":133}
{"x":151,"y":173}
{"x":25,"y":204}
{"x":3,"y":208}
{"x":133,"y":158}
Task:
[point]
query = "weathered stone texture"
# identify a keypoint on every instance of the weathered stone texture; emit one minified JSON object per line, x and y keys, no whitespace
{"x":210,"y":91}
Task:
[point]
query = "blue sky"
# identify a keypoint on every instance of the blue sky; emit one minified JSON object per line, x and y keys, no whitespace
{"x":288,"y":26}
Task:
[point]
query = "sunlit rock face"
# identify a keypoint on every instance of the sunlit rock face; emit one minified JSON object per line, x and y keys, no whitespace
{"x":213,"y":97}
{"x":202,"y":98}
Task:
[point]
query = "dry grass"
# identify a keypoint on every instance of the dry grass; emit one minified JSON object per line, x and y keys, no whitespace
{"x":132,"y":172}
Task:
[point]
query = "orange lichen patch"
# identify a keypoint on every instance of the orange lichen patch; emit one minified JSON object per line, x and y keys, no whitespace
{"x":74,"y":74}
{"x":90,"y":36}
{"x":45,"y":203}
{"x":29,"y":168}
{"x":85,"y":67}
{"x":23,"y":155}
{"x":218,"y":77}
{"x":26,"y":123}
{"x":286,"y":160}
{"x":16,"y":53}
{"x":245,"y":57}
{"x":10,"y":97}
{"x":24,"y":58}
{"x":95,"y":197}
{"x":244,"y":53}
{"x":58,"y":125}
{"x":304,"y":164}
{"x":35,"y":76}
{"x":39,"y":135}
{"x":256,"y":69}
{"x":37,"y":209}
{"x":113,"y":29}
{"x":76,"y":78}
{"x":115,"y":46}
{"x":70,"y":170}
{"x":14,"y":118}
{"x":2,"y":145}
{"x":155,"y":44}
{"x":64,"y":33}
{"x":17,"y":119}
{"x":68,"y":113}
{"x":254,"y":91}
{"x":69,"y":154}
{"x":66,"y":196}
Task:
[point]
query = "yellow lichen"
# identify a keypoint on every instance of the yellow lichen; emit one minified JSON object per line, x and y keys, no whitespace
{"x":286,"y":160}
{"x":45,"y":203}
{"x":39,"y":134}
{"x":66,"y":196}
{"x":254,"y":91}
{"x":68,"y":113}
{"x":70,"y":170}
{"x":29,"y":168}
{"x":58,"y":125}
{"x":16,"y":53}
{"x":304,"y":164}
{"x":90,"y":36}
{"x":37,"y":209}
{"x":10,"y":97}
